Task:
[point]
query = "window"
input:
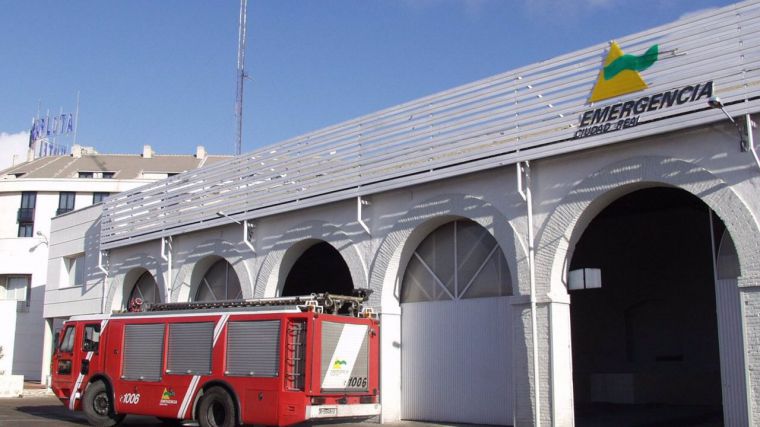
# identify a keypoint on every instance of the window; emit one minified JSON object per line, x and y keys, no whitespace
{"x":16,"y":288}
{"x":65,"y":202}
{"x":25,"y":216}
{"x":67,"y":342}
{"x":219,"y":283}
{"x":145,"y":291}
{"x":99,"y":197}
{"x":29,"y":199}
{"x":91,"y":337}
{"x":75,"y":269}
{"x":154,"y":175}
{"x":100,"y":175}
{"x":459,"y":260}
{"x":25,"y":230}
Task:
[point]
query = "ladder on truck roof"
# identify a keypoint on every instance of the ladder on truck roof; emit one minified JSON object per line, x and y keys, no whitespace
{"x":321,"y":302}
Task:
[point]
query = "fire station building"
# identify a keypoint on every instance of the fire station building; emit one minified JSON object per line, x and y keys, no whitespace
{"x":575,"y":233}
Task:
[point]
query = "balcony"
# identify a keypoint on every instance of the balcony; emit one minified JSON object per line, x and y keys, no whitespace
{"x":25,"y":215}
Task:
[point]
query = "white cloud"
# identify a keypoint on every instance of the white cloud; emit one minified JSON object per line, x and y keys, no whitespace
{"x":13,"y":148}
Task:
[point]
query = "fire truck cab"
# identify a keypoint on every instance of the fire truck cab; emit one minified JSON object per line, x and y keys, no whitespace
{"x":277,"y":361}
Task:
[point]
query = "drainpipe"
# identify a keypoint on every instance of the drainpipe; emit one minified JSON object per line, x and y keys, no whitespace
{"x":166,"y":255}
{"x":359,"y":204}
{"x":527,"y":197}
{"x":105,"y":279}
{"x":751,"y":139}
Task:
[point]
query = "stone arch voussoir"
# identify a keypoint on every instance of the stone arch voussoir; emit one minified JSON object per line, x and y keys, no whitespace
{"x":299,"y":238}
{"x":567,"y":222}
{"x":127,"y":273}
{"x":183,"y":288}
{"x":422,"y":218}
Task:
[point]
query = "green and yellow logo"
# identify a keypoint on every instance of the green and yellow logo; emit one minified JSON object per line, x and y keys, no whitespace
{"x":620,"y":74}
{"x":167,"y":394}
{"x":167,"y":397}
{"x":339,"y":364}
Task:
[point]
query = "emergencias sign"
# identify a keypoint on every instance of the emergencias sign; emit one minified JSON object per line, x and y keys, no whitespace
{"x":626,"y":114}
{"x":619,"y":76}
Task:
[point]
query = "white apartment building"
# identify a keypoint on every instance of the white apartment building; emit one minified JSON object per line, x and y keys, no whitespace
{"x":33,"y":192}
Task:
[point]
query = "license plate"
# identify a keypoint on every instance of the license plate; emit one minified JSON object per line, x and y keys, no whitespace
{"x":328,"y":411}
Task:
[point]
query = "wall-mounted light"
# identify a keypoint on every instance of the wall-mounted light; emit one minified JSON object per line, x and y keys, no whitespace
{"x":42,"y":237}
{"x":715,"y":102}
{"x":584,"y":278}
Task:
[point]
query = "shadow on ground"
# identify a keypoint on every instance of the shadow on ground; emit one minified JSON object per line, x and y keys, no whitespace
{"x":651,"y":415}
{"x":52,"y":412}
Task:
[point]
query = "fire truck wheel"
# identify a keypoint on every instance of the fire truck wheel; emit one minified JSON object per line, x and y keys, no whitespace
{"x":216,"y":409}
{"x":98,"y":406}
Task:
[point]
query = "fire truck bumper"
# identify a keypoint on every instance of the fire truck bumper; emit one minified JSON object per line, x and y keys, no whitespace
{"x":339,"y":411}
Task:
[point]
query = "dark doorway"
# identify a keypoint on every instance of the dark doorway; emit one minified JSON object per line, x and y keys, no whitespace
{"x":645,"y":344}
{"x":319,"y":269}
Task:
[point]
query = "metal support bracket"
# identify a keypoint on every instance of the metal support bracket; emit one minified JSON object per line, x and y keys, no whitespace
{"x":359,"y":203}
{"x":101,"y":255}
{"x":519,"y":171}
{"x":248,"y":228}
{"x":166,"y":248}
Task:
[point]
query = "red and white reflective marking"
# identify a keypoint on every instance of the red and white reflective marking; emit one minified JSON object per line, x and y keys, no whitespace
{"x":75,"y":392}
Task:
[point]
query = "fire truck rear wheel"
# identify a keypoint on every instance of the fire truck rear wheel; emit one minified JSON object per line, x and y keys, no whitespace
{"x":216,"y":409}
{"x":98,"y":406}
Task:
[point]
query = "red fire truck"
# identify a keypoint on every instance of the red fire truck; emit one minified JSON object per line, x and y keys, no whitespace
{"x":274,"y":361}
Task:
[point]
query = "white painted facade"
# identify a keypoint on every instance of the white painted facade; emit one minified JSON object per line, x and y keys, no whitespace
{"x":699,"y":154}
{"x":27,"y":257}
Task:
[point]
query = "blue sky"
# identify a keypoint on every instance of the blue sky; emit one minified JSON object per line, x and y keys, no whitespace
{"x":163,"y":72}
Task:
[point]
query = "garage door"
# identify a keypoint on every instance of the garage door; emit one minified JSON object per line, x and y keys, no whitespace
{"x":456,"y":329}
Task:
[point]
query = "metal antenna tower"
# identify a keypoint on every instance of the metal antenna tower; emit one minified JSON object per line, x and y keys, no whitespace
{"x":241,"y":76}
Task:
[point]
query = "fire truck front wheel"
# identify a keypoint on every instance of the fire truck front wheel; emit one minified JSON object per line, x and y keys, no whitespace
{"x":216,"y":409}
{"x":98,"y":406}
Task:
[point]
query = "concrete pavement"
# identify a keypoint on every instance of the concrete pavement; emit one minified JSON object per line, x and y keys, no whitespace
{"x":39,"y":409}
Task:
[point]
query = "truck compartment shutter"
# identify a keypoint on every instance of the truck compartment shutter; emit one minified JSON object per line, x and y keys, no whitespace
{"x":143,"y":352}
{"x":190,"y":348}
{"x":345,"y":357}
{"x":253,"y":348}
